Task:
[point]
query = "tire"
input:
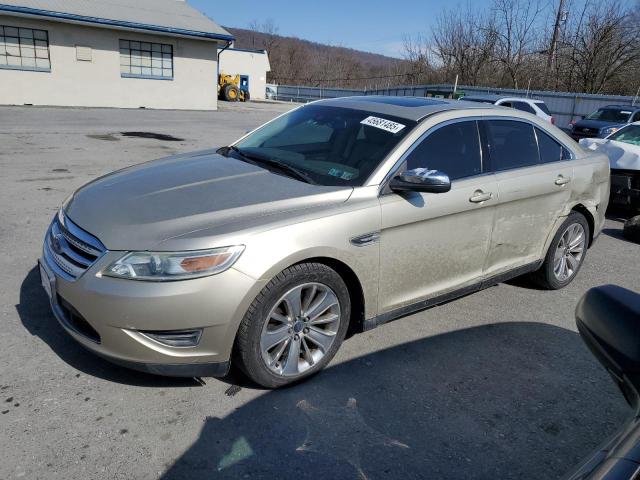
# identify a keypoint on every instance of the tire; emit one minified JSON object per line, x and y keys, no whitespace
{"x":574,"y":229}
{"x":231,"y":93}
{"x":269,"y":318}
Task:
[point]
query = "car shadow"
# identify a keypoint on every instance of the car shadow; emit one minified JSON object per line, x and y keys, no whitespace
{"x":508,"y":400}
{"x":614,"y":233}
{"x":35,"y":314}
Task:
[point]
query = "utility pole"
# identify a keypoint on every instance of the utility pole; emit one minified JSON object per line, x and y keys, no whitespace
{"x":554,"y":37}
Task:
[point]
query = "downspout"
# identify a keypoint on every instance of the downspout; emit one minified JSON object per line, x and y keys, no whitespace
{"x":229,"y":42}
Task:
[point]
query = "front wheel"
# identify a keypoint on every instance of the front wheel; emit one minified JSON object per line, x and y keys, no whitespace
{"x":295,"y":325}
{"x":566,"y":253}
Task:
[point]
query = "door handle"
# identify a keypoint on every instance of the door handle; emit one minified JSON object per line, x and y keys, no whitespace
{"x":562,"y":180}
{"x":479,"y":196}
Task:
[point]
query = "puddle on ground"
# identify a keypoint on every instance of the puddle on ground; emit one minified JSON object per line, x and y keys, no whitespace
{"x":108,"y":137}
{"x":156,"y":136}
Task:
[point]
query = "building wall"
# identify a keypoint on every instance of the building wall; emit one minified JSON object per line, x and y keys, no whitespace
{"x":97,"y":83}
{"x":254,"y":64}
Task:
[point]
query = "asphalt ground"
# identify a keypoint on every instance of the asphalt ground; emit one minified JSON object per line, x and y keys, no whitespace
{"x":494,"y":385}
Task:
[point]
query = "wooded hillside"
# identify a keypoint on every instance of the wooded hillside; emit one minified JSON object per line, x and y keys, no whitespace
{"x":589,"y":46}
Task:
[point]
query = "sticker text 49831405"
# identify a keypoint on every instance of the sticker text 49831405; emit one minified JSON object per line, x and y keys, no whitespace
{"x":383,"y":124}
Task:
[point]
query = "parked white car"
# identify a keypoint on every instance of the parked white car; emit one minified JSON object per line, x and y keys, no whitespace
{"x":530,"y":105}
{"x":623,"y":149}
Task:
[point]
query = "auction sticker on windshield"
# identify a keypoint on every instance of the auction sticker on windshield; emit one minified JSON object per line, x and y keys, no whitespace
{"x":383,"y":124}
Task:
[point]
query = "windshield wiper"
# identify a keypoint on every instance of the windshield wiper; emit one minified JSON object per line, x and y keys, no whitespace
{"x":269,"y":162}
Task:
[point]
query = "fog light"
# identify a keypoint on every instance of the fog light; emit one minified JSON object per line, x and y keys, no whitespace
{"x":175,"y":338}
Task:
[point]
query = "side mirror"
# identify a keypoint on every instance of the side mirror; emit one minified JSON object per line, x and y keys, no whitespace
{"x":421,"y":180}
{"x":608,"y":319}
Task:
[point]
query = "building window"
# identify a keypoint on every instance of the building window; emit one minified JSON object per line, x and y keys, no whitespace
{"x":24,"y":49}
{"x":146,"y":60}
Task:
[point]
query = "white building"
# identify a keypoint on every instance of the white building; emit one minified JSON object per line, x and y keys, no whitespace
{"x":252,"y":63}
{"x":109,"y":53}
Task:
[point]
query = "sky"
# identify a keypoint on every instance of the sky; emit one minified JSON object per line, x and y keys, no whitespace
{"x":372,"y":25}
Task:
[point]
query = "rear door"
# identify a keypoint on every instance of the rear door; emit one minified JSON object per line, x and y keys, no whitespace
{"x":533,"y":173}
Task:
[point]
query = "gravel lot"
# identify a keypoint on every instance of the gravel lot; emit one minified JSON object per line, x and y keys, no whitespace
{"x":495,"y":385}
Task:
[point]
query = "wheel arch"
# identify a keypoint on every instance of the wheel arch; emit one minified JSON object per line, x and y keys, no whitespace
{"x":580,"y":208}
{"x":354,"y":286}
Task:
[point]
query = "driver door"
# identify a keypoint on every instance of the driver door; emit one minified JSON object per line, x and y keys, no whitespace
{"x":434,"y":243}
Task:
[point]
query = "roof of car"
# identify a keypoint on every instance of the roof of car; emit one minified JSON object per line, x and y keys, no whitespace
{"x":621,"y":107}
{"x":410,"y":108}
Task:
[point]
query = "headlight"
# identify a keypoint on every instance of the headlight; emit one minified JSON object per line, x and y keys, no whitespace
{"x":609,"y":130}
{"x":168,"y":266}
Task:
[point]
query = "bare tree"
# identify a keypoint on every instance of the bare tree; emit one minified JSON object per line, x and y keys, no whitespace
{"x":515,"y":23}
{"x":596,"y":48}
{"x":605,"y":41}
{"x":269,"y":37}
{"x":464,"y":42}
{"x":417,"y":53}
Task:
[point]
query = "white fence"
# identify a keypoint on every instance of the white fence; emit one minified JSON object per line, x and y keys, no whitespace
{"x":564,"y":106}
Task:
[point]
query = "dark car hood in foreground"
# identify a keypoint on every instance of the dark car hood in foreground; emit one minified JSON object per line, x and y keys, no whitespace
{"x":139,"y":207}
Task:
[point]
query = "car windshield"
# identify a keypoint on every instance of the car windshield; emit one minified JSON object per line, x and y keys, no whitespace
{"x":327,"y":145}
{"x":478,"y":100}
{"x":543,"y":106}
{"x":630,"y":134}
{"x":611,"y":115}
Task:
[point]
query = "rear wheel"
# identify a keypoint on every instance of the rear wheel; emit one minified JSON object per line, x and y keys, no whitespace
{"x":295,"y":325}
{"x":566,"y":253}
{"x":230,"y":93}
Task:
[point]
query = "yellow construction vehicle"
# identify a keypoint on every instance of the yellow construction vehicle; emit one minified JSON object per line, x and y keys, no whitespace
{"x":233,"y":88}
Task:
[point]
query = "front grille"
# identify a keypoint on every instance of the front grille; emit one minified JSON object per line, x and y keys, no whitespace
{"x":581,"y":132}
{"x":70,"y":249}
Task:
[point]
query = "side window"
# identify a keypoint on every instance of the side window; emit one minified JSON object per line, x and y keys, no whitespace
{"x":511,"y":144}
{"x":550,"y":150}
{"x":453,"y":149}
{"x":636,"y":117}
{"x":505,"y":104}
{"x":524,"y":106}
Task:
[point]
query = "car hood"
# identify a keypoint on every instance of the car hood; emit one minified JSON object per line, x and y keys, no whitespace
{"x":584,"y":123}
{"x":139,"y":207}
{"x":622,"y":156}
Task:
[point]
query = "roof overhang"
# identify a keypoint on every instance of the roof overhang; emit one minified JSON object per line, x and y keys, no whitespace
{"x":109,"y":23}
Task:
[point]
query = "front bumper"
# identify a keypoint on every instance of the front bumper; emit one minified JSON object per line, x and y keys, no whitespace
{"x":106,"y":315}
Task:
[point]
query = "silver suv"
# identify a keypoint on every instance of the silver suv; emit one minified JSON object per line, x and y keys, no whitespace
{"x":341,"y":213}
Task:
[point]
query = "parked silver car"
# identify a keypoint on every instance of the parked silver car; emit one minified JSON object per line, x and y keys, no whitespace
{"x":343,"y":213}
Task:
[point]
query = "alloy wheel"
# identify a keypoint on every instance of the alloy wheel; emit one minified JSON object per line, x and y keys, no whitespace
{"x":300,"y":329}
{"x":569,"y":252}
